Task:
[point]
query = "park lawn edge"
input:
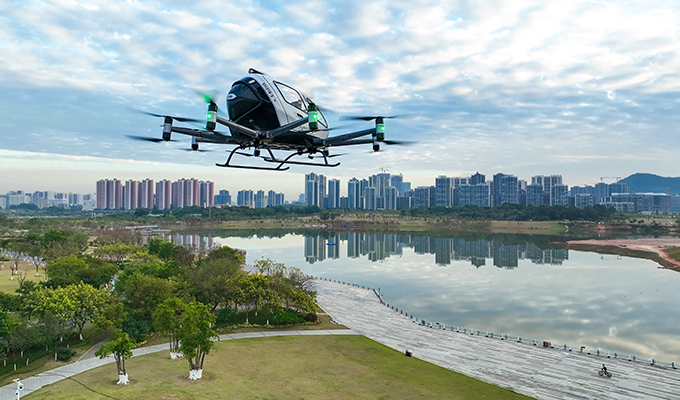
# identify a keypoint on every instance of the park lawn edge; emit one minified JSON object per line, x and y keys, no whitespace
{"x":326,"y":366}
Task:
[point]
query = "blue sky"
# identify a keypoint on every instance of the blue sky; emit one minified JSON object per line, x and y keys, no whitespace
{"x":581,"y":88}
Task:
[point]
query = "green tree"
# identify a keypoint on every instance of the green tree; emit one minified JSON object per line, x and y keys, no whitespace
{"x":58,"y":243}
{"x":195,"y":336}
{"x":7,"y":326}
{"x":115,"y":252}
{"x":167,"y":320}
{"x":73,"y":269}
{"x":143,"y":293}
{"x":65,"y":271}
{"x":24,"y":336}
{"x":214,"y":280}
{"x":120,"y":345}
{"x":78,"y":304}
{"x":257,"y":291}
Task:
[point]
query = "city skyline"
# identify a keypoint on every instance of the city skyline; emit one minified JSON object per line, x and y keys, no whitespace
{"x":382,"y":191}
{"x":515,"y":87}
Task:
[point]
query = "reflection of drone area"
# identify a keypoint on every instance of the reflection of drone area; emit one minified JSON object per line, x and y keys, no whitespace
{"x":380,"y":246}
{"x":267,"y":115}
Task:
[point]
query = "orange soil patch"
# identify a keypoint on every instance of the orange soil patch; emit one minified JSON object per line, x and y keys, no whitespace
{"x":650,"y":245}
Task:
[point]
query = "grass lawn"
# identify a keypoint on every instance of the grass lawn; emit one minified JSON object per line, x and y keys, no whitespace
{"x":673,"y":252}
{"x":10,"y":286}
{"x":299,"y":367}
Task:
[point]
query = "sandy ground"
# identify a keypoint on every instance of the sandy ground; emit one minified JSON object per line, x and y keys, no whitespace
{"x":652,"y":245}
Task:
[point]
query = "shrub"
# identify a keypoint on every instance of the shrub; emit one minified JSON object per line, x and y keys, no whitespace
{"x":137,"y":329}
{"x":64,"y":353}
{"x":286,"y":317}
{"x":227,"y":315}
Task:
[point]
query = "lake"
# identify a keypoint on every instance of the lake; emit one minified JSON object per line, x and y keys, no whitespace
{"x":517,"y":285}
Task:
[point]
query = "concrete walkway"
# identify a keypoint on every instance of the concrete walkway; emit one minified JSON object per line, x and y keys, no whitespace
{"x":55,"y":375}
{"x":542,"y":373}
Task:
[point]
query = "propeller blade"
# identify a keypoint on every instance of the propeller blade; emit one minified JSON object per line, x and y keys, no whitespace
{"x":398,"y":142}
{"x":180,"y":119}
{"x":370,"y":118}
{"x":148,"y":139}
{"x":326,"y":129}
{"x":208,"y":96}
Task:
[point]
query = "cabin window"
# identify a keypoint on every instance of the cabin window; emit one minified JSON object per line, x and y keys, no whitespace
{"x":291,"y":96}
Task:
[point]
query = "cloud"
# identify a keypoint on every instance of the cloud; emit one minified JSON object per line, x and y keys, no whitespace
{"x":565,"y":87}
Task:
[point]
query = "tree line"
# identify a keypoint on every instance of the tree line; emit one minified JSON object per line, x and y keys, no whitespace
{"x":133,"y":291}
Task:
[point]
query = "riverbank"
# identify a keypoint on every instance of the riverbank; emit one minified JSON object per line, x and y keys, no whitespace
{"x":387,"y":222}
{"x":549,"y":372}
{"x":655,"y":249}
{"x":379,"y":223}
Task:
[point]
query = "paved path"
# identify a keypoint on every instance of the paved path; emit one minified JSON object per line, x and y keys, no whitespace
{"x":542,"y":373}
{"x":49,"y":377}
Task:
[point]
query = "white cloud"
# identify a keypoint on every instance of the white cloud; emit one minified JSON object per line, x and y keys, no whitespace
{"x":514,"y":85}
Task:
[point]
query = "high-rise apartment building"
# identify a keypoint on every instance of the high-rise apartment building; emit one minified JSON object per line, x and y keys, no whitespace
{"x":391,"y":196}
{"x":130,"y":195}
{"x":354,"y":194}
{"x":223,"y":197}
{"x":397,"y":181}
{"x":534,"y":195}
{"x":424,"y":196}
{"x":163,"y":199}
{"x":245,"y":198}
{"x":206,"y":194}
{"x":547,"y":182}
{"x":109,"y":194}
{"x":333,"y":199}
{"x":275,"y":199}
{"x":504,"y":190}
{"x":260,"y":199}
{"x":477,"y":179}
{"x":145,"y":190}
{"x":315,"y":189}
{"x":443,"y":191}
{"x":559,"y":195}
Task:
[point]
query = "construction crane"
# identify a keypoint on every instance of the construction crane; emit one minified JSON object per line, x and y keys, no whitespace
{"x":602,"y":178}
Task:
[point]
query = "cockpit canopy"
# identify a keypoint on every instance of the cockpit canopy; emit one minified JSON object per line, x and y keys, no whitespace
{"x":250,"y":105}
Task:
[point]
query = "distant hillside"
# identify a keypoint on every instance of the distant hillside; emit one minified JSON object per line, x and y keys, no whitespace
{"x":650,"y":183}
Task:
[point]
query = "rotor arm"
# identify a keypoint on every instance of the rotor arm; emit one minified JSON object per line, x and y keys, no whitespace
{"x":239,"y":128}
{"x":341,"y":139}
{"x":351,"y":142}
{"x":212,"y":136}
{"x":286,"y":128}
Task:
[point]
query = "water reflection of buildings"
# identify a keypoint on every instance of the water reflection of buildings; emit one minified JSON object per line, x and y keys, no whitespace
{"x":205,"y":242}
{"x":379,"y":246}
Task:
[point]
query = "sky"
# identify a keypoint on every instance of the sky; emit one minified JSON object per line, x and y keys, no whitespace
{"x":584,"y":89}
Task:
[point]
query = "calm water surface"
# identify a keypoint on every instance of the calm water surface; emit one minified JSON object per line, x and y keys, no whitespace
{"x":604,"y":302}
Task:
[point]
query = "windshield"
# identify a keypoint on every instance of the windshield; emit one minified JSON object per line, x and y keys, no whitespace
{"x":291,"y":96}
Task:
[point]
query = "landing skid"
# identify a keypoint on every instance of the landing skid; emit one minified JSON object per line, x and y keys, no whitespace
{"x":314,"y":164}
{"x":272,"y":159}
{"x":228,"y":164}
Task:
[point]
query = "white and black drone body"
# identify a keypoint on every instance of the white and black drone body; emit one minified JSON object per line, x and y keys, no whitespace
{"x":265,"y":114}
